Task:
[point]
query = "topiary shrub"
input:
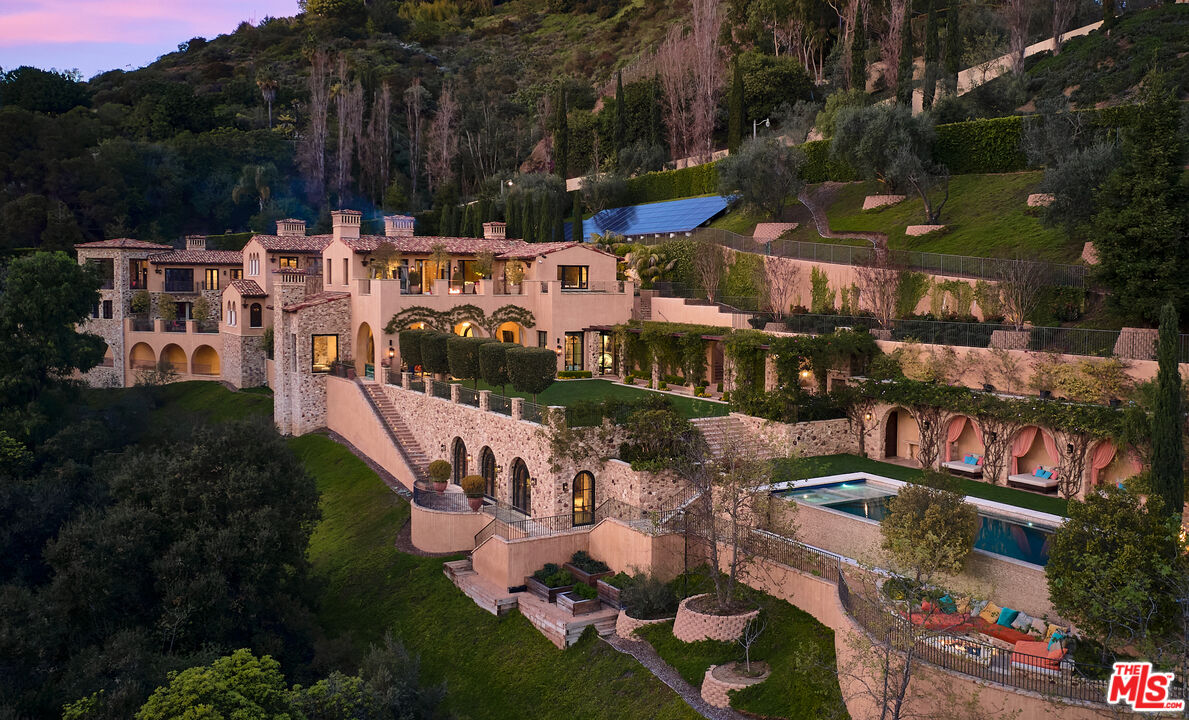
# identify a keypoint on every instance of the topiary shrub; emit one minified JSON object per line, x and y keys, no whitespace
{"x":439,"y":471}
{"x":473,"y":485}
{"x":435,"y":357}
{"x":493,"y":363}
{"x":410,"y":347}
{"x":462,"y":354}
{"x":532,"y":370}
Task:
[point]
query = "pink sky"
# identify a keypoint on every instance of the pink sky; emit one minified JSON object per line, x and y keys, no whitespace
{"x":98,"y":35}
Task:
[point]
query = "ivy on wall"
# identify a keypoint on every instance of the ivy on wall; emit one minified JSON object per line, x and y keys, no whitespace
{"x":445,"y":320}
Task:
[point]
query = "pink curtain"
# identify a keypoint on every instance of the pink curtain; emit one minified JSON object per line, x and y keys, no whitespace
{"x":1051,"y":446}
{"x":1102,"y":457}
{"x":978,"y":433}
{"x":954,"y":432}
{"x":1021,"y":446}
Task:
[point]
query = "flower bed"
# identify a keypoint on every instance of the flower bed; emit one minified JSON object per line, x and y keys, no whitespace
{"x":692,"y":625}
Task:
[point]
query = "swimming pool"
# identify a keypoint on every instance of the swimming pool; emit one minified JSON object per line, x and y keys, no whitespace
{"x":1016,"y":539}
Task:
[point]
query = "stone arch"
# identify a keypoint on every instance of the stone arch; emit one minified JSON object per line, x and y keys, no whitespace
{"x":901,"y":435}
{"x":967,"y":438}
{"x":142,"y":357}
{"x":509,"y":332}
{"x":1031,"y":447}
{"x":522,"y":487}
{"x":488,"y":469}
{"x":175,"y":357}
{"x":460,"y":460}
{"x":365,"y":351}
{"x":466,"y":328}
{"x":1107,"y":464}
{"x":583,"y":498}
{"x":205,"y":361}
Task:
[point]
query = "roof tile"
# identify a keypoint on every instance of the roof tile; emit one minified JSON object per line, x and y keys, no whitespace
{"x":125,"y":244}
{"x":248,"y":288}
{"x":199,"y":257}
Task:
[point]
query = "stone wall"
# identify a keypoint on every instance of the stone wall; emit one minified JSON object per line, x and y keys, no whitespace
{"x":300,"y":394}
{"x":626,"y":626}
{"x":243,"y":360}
{"x":692,"y":626}
{"x":807,"y":439}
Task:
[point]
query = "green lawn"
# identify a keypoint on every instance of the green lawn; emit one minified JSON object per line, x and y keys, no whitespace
{"x":213,"y":401}
{"x":799,"y":650}
{"x":567,"y":392}
{"x":838,"y":464}
{"x":493,"y":667}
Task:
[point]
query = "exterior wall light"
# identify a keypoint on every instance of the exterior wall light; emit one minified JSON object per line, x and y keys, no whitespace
{"x":391,"y":350}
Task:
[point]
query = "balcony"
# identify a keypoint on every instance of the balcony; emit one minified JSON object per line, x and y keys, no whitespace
{"x":142,"y":324}
{"x":180,"y":286}
{"x":173,"y":326}
{"x":595,"y":286}
{"x":206,"y":326}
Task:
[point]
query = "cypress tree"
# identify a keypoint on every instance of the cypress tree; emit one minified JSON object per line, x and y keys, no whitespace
{"x":932,"y":53}
{"x":1108,"y":14}
{"x":511,"y":220}
{"x":544,"y":221}
{"x":621,"y":117}
{"x":576,"y":231}
{"x":561,"y":141}
{"x":654,"y":124}
{"x":558,"y":213}
{"x":735,"y":105}
{"x":1168,"y":451}
{"x":953,"y":49}
{"x":858,"y":53}
{"x":528,"y":219}
{"x":904,"y":75}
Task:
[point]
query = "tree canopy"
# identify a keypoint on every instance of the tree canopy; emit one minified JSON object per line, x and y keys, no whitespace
{"x":765,"y":174}
{"x":929,"y":531}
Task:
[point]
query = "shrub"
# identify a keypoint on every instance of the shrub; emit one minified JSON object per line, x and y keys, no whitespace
{"x":474,"y":485}
{"x":141,"y":302}
{"x":583,"y":561}
{"x":493,"y":363}
{"x":462,"y":354}
{"x":989,"y":145}
{"x":647,"y":597}
{"x":552,"y":576}
{"x":573,"y":374}
{"x":671,"y":184}
{"x":410,"y":347}
{"x":532,"y":370}
{"x":584,"y":591}
{"x":619,"y":580}
{"x":439,"y":471}
{"x":435,"y":357}
{"x":821,"y":166}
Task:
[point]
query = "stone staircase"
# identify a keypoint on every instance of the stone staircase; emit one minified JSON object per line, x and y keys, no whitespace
{"x":726,"y":432}
{"x":404,"y":440}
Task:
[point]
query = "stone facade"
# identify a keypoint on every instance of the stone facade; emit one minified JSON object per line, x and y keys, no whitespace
{"x":244,"y":360}
{"x":626,"y":625}
{"x":808,"y":439}
{"x":300,"y":395}
{"x":692,"y":626}
{"x":717,"y":687}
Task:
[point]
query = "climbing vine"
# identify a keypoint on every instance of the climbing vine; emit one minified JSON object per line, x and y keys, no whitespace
{"x":445,"y":320}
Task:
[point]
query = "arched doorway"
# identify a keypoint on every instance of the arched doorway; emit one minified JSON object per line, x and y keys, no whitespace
{"x":460,"y":460}
{"x":365,"y":352}
{"x":487,"y":469}
{"x":508,"y":332}
{"x":583,"y":494}
{"x":902,"y":437}
{"x":142,"y":357}
{"x":205,"y":361}
{"x":174,"y":357}
{"x":521,"y":487}
{"x":465,"y":329}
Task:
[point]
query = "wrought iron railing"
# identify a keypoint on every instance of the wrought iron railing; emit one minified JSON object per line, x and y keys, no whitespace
{"x":467,"y":396}
{"x":441,"y":390}
{"x":595,"y":286}
{"x":500,"y":404}
{"x":206,"y":326}
{"x":180,"y":286}
{"x":417,"y":385}
{"x":442,"y":501}
{"x":174,"y":326}
{"x":142,"y":325}
{"x":534,"y":413}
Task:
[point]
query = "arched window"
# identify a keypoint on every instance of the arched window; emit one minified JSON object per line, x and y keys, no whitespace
{"x":460,"y":460}
{"x":521,"y":487}
{"x":487,"y":470}
{"x":584,"y":498}
{"x":256,"y":316}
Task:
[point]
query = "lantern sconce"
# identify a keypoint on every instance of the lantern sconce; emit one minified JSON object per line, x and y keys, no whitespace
{"x":443,"y":448}
{"x":867,"y":417}
{"x":391,"y":350}
{"x":565,"y":487}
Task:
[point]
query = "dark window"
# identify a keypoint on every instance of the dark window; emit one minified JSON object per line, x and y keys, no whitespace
{"x":179,"y":280}
{"x":487,"y":469}
{"x":105,"y":268}
{"x":95,"y":309}
{"x":107,"y":309}
{"x":255,"y":316}
{"x":574,"y":351}
{"x":583,"y":498}
{"x":521,"y":487}
{"x":507,"y":336}
{"x":542,"y":338}
{"x":138,"y":274}
{"x":460,"y":461}
{"x":573,"y":277}
{"x":606,"y":353}
{"x":325,"y":352}
{"x":288,"y":262}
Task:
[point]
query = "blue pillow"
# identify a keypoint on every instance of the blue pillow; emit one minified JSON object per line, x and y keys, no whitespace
{"x":947,"y":605}
{"x":969,"y":459}
{"x":1006,"y":616}
{"x":1057,"y":637}
{"x":1048,"y":474}
{"x":1037,"y":472}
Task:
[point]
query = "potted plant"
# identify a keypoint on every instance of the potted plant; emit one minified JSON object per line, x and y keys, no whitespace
{"x":549,"y":582}
{"x":514,"y":274}
{"x":439,"y":474}
{"x":610,"y":587}
{"x":473,"y":486}
{"x":580,"y":600}
{"x":414,"y":283}
{"x":586,"y":569}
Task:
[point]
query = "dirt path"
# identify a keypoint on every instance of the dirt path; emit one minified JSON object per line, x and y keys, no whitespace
{"x":646,"y":656}
{"x":817,"y":200}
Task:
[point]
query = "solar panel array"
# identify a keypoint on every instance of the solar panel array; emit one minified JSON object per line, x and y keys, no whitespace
{"x":654,"y":218}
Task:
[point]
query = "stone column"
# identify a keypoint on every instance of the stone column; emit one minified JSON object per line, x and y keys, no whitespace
{"x":517,"y":408}
{"x":656,"y":374}
{"x":728,"y":374}
{"x":454,"y":392}
{"x":770,"y":379}
{"x":406,"y":380}
{"x":485,"y":400}
{"x":429,"y":386}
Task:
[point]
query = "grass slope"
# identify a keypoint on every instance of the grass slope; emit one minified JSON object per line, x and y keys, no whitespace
{"x":567,"y":392}
{"x":493,"y":667}
{"x":837,"y":464}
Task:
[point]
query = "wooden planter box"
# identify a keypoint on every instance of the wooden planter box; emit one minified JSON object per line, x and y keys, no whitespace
{"x":577,"y":605}
{"x":608,"y":593}
{"x":539,"y":589}
{"x":581,"y":575}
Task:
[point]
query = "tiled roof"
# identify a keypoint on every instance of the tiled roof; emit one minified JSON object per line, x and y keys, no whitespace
{"x":319,"y":299}
{"x":528,"y":251}
{"x":248,"y":288}
{"x":294,"y":243}
{"x":125,"y":244}
{"x":424,"y":244}
{"x":199,"y":257}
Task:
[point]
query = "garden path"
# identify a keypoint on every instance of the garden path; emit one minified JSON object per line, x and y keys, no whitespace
{"x":646,"y":656}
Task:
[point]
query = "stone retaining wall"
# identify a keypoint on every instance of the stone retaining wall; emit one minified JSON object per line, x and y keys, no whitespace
{"x":808,"y":439}
{"x":625,"y":625}
{"x":692,"y":626}
{"x":716,"y":690}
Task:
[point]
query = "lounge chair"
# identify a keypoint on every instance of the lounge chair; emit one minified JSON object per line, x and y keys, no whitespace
{"x":1032,"y":481}
{"x":1035,"y":656}
{"x":964,"y":468}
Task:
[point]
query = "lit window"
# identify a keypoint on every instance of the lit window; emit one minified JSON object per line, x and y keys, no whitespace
{"x":325,"y":352}
{"x":288,"y":263}
{"x":573,"y":277}
{"x":212,"y":279}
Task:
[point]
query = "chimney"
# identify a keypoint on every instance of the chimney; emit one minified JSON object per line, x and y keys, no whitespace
{"x":196,"y":242}
{"x":398,"y":226}
{"x":346,"y":224}
{"x":493,"y":230}
{"x":291,"y":226}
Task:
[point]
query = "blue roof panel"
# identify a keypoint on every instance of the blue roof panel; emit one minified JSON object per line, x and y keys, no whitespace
{"x":662,"y":217}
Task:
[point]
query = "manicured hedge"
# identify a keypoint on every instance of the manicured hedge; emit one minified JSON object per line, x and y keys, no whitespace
{"x":574,"y":374}
{"x":672,"y":184}
{"x":410,"y":347}
{"x":820,"y":167}
{"x":532,"y":370}
{"x":462,"y":353}
{"x":990,"y":145}
{"x":435,"y":358}
{"x":493,"y":363}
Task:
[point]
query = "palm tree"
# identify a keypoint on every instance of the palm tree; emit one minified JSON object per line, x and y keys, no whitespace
{"x":254,"y":182}
{"x":268,"y":89}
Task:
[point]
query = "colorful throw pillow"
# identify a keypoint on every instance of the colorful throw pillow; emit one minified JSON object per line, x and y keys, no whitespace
{"x":1050,"y":630}
{"x":1056,"y":638}
{"x":1052,"y":474}
{"x":1038,"y":627}
{"x":1022,"y":622}
{"x":964,"y":606}
{"x":1048,"y":474}
{"x":990,"y":613}
{"x":977,"y":607}
{"x":1037,"y":472}
{"x":968,"y":460}
{"x":1006,"y":616}
{"x":979,"y":460}
{"x":947,"y":605}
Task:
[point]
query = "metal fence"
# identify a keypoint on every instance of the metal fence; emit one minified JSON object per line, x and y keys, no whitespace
{"x":142,"y":325}
{"x":467,"y":396}
{"x":937,"y":263}
{"x":443,"y":501}
{"x":441,"y":390}
{"x":417,"y":385}
{"x":534,"y":412}
{"x":499,"y":404}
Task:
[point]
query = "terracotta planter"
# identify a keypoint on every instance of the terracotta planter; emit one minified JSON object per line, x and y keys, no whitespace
{"x":475,"y":503}
{"x":581,"y":575}
{"x":440,"y":486}
{"x":539,"y":589}
{"x":577,"y":605}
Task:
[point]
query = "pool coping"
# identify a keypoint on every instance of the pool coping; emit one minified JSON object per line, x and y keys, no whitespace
{"x":1003,"y":510}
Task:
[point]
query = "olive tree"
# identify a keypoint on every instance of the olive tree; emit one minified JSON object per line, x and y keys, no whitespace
{"x":929,"y":531}
{"x":765,"y":173}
